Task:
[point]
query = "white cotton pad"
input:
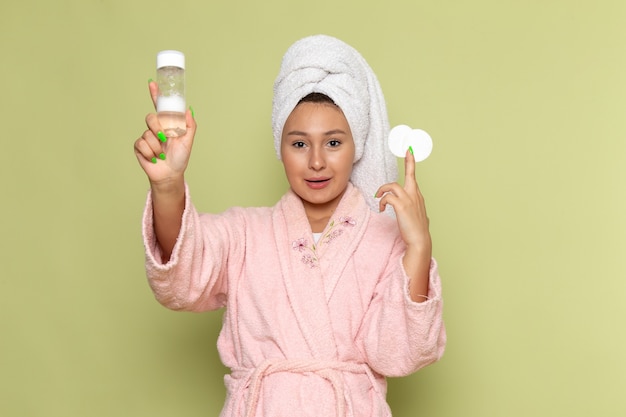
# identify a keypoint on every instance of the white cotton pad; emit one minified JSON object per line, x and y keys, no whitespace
{"x":402,"y":136}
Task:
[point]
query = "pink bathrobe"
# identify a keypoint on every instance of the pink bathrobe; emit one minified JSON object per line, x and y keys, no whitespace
{"x":309,"y":329}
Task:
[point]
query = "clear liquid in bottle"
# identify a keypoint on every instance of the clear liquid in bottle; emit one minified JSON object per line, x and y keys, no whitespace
{"x":171,"y":114}
{"x":171,"y":105}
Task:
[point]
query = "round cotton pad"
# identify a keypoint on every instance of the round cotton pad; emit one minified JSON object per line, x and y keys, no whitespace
{"x":402,"y":136}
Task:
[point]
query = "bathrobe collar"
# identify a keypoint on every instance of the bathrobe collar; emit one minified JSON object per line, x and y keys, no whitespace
{"x":310,"y":271}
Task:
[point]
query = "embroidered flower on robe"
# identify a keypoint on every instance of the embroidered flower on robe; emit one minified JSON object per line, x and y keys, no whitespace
{"x":347,"y":221}
{"x":311,"y":258}
{"x":333,"y":235}
{"x":300,"y":244}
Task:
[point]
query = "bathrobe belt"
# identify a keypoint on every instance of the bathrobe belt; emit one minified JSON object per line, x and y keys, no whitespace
{"x":329,"y":370}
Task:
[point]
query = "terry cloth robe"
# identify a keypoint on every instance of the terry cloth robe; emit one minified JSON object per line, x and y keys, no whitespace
{"x":309,"y":329}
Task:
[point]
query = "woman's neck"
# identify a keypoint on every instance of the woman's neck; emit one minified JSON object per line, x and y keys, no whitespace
{"x":319,"y":214}
{"x":318,"y":225}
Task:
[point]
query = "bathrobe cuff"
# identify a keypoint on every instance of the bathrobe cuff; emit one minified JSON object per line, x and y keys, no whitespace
{"x":434,"y":285}
{"x":405,"y":335}
{"x":195,"y":276}
{"x":154,"y":256}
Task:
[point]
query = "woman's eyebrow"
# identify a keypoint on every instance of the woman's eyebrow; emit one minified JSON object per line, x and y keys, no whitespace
{"x":297,"y":133}
{"x":329,"y":133}
{"x":335,"y":132}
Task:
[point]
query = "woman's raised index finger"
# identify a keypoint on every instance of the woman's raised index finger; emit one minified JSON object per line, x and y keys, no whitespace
{"x":154,"y":89}
{"x":409,"y":166}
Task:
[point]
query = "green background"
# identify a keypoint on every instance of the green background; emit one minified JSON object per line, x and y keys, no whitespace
{"x":525,"y":102}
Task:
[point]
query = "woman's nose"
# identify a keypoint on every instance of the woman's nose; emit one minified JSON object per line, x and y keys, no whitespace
{"x":316,"y":159}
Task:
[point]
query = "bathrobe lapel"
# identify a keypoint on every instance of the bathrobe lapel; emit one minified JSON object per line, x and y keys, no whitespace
{"x":341,"y":237}
{"x":310,"y":271}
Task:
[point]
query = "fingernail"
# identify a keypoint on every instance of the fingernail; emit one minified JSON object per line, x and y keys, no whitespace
{"x":162,"y":156}
{"x":193,"y":114}
{"x":411,"y":150}
{"x":150,"y":80}
{"x":154,"y":160}
{"x":162,"y":136}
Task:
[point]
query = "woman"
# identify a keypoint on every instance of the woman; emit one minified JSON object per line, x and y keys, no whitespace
{"x":324,"y":295}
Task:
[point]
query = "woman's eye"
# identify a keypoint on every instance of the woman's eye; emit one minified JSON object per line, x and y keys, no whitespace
{"x":299,"y":144}
{"x":334,"y":143}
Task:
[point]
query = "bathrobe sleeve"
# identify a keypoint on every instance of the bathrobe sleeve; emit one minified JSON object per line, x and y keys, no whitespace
{"x":195,"y":277}
{"x":401,"y":336}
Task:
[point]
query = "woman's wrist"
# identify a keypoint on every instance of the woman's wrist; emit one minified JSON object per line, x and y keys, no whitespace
{"x":169,"y":186}
{"x":416,"y":264}
{"x":420,"y":251}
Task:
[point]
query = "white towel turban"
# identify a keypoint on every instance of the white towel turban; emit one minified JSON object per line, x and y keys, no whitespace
{"x":326,"y":65}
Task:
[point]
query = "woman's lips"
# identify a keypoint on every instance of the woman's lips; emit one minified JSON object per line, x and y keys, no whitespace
{"x":317,"y":183}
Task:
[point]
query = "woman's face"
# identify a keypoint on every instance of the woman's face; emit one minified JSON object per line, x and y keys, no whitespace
{"x":317,"y":152}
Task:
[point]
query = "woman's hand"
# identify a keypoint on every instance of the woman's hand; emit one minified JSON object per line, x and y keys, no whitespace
{"x":164,"y":162}
{"x":408,"y":203}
